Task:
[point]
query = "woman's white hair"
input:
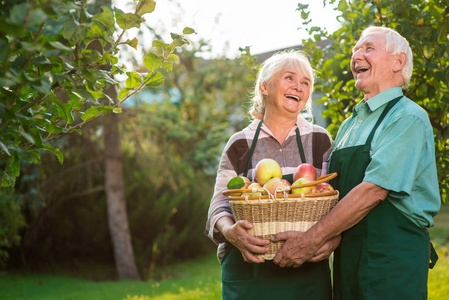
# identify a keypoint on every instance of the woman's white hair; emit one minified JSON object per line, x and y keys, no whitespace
{"x":395,"y":44}
{"x":270,"y":68}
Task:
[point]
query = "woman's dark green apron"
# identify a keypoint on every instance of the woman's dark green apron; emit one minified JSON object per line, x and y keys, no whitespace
{"x":385,"y":256}
{"x":242,"y":280}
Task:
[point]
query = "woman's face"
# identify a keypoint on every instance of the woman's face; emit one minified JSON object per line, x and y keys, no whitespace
{"x":288,"y":92}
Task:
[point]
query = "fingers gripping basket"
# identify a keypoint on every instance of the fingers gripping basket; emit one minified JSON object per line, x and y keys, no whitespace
{"x":271,"y":214}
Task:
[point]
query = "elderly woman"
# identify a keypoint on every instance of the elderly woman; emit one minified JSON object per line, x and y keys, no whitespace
{"x":283,"y":89}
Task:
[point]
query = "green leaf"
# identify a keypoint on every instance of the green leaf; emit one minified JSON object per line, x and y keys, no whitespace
{"x":168,"y":65}
{"x":41,"y":60}
{"x":4,"y":148}
{"x":55,"y":151}
{"x":154,"y":79}
{"x":145,"y":7}
{"x":177,"y":43}
{"x":123,"y":93}
{"x":36,"y":17}
{"x":26,"y":135}
{"x":75,"y":130}
{"x":74,"y":31}
{"x":236,"y":183}
{"x":63,"y":110}
{"x":134,"y":80}
{"x":44,"y":86}
{"x":152,"y":61}
{"x":128,"y":20}
{"x":18,"y":14}
{"x":4,"y":49}
{"x":96,"y":111}
{"x":159,"y":44}
{"x":53,"y":129}
{"x":173,"y":57}
{"x":96,"y":93}
{"x":188,"y":30}
{"x":133,"y":43}
{"x":106,"y":18}
{"x":12,"y":171}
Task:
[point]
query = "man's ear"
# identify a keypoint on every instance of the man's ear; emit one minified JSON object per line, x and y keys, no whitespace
{"x":399,"y":62}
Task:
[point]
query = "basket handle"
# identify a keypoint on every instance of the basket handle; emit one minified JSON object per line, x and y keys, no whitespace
{"x":319,"y":180}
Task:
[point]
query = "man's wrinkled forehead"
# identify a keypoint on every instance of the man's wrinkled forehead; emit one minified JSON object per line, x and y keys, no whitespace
{"x":368,"y":39}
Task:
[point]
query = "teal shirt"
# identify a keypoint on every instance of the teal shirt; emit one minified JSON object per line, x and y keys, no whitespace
{"x":402,"y":153}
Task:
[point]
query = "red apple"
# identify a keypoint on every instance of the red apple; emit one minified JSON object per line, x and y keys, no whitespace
{"x":305,"y":171}
{"x":272,"y":184}
{"x":266,"y":169}
{"x":285,"y":181}
{"x":253,"y":186}
{"x":324,"y":187}
{"x":303,"y":190}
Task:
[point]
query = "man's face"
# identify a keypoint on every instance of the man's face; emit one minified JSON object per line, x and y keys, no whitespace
{"x":372,"y":66}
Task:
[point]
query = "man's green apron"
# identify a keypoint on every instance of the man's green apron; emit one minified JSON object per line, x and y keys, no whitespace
{"x":385,"y":256}
{"x":242,"y":280}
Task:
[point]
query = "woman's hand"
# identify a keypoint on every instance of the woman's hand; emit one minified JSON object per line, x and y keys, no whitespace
{"x":237,"y":234}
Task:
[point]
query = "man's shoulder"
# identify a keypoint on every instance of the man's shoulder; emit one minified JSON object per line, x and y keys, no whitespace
{"x":408,"y":107}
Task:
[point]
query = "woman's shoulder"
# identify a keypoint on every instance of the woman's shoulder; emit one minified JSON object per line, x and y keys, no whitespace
{"x":307,"y":127}
{"x":245,"y":134}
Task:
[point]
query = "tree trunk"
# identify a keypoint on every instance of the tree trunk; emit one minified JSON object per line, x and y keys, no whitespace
{"x":115,"y":193}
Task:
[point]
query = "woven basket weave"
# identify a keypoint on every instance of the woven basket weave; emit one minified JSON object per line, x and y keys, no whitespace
{"x":273,"y":214}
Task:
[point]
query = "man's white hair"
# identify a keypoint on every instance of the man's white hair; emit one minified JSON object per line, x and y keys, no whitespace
{"x":395,"y":44}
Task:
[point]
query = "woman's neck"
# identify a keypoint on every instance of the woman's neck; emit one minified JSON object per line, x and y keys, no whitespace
{"x":279,"y":126}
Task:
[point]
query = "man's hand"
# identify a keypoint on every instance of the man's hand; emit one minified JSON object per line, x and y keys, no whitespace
{"x":326,"y":250}
{"x":297,"y":249}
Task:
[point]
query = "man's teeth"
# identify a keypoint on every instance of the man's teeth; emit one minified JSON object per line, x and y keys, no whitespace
{"x":362,"y":69}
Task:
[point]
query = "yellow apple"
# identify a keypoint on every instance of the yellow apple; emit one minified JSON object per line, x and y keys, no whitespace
{"x":266,"y":169}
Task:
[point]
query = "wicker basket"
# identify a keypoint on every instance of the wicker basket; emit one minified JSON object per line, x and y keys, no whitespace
{"x":273,"y":214}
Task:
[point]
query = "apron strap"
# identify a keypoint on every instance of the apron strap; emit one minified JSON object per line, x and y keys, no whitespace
{"x":253,"y":146}
{"x":301,"y":149}
{"x":381,"y":118}
{"x":254,"y":143}
{"x":433,"y":256}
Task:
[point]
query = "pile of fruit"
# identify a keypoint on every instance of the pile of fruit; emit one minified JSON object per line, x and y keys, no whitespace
{"x":268,"y":179}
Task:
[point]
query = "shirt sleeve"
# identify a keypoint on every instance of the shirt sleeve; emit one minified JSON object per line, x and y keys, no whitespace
{"x":399,"y":154}
{"x":219,"y":205}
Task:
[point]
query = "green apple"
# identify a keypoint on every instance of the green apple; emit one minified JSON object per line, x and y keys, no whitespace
{"x":303,"y":190}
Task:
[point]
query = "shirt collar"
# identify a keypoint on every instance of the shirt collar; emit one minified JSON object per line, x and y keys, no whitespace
{"x":379,"y":100}
{"x":384,"y":97}
{"x":300,"y":122}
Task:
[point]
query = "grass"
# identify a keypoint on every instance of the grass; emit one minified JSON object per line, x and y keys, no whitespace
{"x":195,"y":279}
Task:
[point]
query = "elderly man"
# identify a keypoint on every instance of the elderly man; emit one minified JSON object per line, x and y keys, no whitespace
{"x":389,"y":193}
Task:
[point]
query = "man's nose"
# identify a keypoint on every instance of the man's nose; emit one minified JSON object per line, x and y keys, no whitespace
{"x":357,"y":55}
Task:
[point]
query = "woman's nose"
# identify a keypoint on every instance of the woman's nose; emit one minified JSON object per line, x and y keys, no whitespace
{"x":296,"y":85}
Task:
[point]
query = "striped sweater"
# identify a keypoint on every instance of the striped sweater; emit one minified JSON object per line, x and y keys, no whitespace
{"x":317,"y":145}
